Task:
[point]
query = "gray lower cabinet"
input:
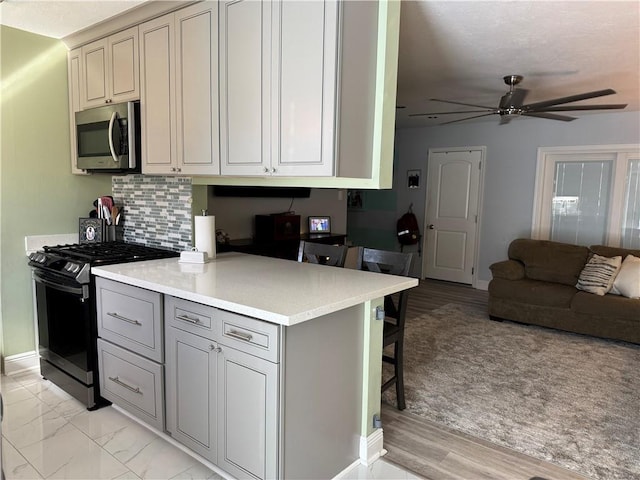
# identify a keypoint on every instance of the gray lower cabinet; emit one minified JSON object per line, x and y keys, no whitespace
{"x":191,"y":381}
{"x":222,"y":400}
{"x":248,"y":415}
{"x":257,"y":399}
{"x":131,"y":349}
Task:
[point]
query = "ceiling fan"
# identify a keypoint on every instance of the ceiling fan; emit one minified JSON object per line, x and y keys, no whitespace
{"x":512,"y":105}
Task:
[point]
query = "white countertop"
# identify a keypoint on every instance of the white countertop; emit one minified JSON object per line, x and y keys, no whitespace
{"x":33,"y":243}
{"x":279,"y":291}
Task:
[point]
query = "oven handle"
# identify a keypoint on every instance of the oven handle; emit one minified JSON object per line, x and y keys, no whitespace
{"x":80,"y":291}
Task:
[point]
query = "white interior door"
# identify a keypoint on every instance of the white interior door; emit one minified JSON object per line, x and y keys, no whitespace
{"x":451,"y":219}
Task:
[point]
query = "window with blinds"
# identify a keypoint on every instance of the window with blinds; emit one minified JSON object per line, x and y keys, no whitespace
{"x":588,"y":195}
{"x":631,"y":223}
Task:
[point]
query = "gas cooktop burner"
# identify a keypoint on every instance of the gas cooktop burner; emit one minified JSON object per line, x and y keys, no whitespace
{"x":75,"y":261}
{"x":111,"y":252}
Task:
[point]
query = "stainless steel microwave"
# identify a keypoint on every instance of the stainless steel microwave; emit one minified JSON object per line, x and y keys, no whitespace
{"x":107,"y":138}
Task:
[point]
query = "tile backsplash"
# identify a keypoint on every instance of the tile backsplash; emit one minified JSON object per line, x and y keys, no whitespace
{"x":157,"y":210}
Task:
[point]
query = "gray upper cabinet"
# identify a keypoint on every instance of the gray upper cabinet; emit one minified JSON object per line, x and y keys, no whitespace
{"x":276,"y":92}
{"x":73,"y":66}
{"x":109,"y":70}
{"x":278,"y":65}
{"x":179,"y":92}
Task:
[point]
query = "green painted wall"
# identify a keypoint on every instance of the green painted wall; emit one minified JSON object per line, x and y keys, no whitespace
{"x":38,"y":193}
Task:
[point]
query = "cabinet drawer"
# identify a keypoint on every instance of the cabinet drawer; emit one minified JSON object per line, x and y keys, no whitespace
{"x":250,"y":335}
{"x":192,"y":317}
{"x":130,"y":317}
{"x":132,"y":382}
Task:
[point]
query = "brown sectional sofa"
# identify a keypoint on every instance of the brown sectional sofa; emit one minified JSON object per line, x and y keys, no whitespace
{"x":537,"y":286}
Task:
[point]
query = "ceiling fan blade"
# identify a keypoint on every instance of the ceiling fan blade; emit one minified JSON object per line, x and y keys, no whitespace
{"x":569,"y":99}
{"x":549,"y":116}
{"x":467,"y":118}
{"x":513,"y":99}
{"x":609,"y":106}
{"x":448,"y":113}
{"x":460,"y":103}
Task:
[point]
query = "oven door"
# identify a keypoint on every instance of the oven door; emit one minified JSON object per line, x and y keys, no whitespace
{"x":64,"y":313}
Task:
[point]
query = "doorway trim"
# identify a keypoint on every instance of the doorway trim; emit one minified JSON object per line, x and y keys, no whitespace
{"x":476,"y":246}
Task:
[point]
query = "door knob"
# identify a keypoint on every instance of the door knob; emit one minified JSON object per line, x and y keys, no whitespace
{"x":431,"y":226}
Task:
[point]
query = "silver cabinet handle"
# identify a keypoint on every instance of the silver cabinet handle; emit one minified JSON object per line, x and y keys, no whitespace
{"x":187,"y":318}
{"x":128,"y":387}
{"x":124,"y":319}
{"x":247,"y":337}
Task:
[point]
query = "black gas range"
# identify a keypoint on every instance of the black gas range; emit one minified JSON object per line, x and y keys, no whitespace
{"x":66,"y":310}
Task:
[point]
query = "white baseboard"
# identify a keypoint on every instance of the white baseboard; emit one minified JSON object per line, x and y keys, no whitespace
{"x":21,"y":362}
{"x":371,"y":447}
{"x":482,"y":284}
{"x":370,"y":451}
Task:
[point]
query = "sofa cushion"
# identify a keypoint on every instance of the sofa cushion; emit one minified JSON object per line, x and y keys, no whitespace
{"x":613,"y":251}
{"x":533,"y":292}
{"x":598,"y":274}
{"x":607,"y":306}
{"x":627,"y":282}
{"x":507,"y":269}
{"x":550,"y":261}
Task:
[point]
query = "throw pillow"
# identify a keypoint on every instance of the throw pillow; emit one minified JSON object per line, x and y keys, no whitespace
{"x":598,"y":274}
{"x":627,"y":281}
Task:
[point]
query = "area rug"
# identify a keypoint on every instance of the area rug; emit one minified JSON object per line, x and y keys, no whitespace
{"x":568,"y":399}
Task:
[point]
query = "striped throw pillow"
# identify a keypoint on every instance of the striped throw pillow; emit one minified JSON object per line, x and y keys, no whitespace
{"x":598,"y":274}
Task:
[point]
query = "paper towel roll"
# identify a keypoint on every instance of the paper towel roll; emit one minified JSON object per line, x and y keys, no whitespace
{"x":205,"y":233}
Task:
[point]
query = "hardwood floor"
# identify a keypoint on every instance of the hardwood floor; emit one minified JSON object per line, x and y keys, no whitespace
{"x":440,"y":453}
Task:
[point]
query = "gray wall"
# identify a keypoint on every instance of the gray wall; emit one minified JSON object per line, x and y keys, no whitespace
{"x":510,"y":167}
{"x":235,"y":215}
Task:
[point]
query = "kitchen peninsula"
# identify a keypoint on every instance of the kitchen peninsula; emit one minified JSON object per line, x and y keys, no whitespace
{"x":272,"y":367}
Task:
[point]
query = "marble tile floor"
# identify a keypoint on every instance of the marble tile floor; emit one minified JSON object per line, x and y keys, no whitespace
{"x":47,"y":434}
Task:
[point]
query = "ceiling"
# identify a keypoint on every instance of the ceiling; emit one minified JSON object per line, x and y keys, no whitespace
{"x":459,"y":50}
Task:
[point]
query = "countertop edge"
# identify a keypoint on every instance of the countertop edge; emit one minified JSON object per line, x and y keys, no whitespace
{"x":270,"y":316}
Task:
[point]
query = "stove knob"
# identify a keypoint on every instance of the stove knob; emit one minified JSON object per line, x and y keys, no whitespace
{"x":32,"y":256}
{"x":41,"y":258}
{"x":72,"y":267}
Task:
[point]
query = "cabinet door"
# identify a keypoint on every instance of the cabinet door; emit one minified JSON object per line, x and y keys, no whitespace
{"x":197,"y":89}
{"x":305,"y":36}
{"x":73,"y":67}
{"x":245,"y":66}
{"x":157,"y":103}
{"x":123,"y":66}
{"x":94,"y":74}
{"x":191,"y":380}
{"x":248,"y":415}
